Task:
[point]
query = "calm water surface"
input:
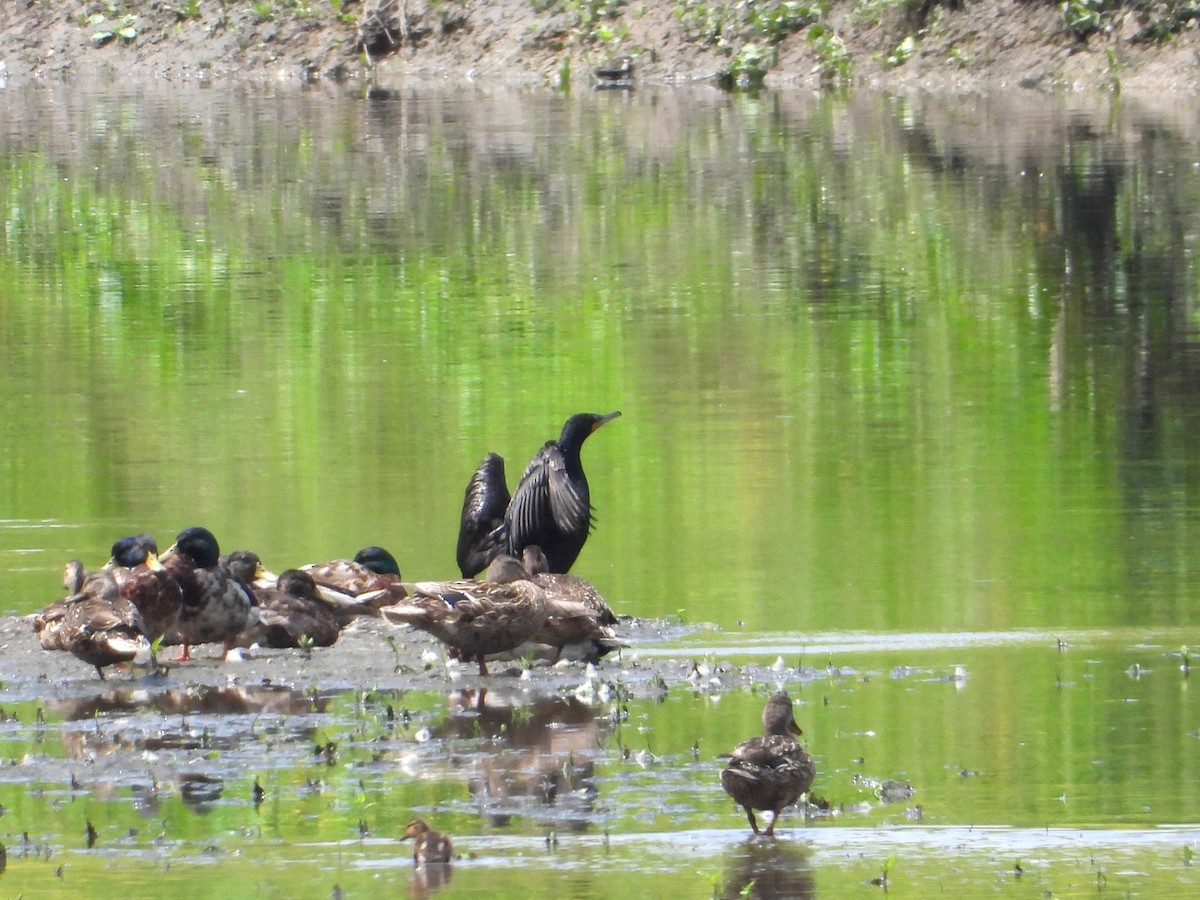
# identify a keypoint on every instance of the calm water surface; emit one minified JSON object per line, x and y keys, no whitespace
{"x":909,"y":393}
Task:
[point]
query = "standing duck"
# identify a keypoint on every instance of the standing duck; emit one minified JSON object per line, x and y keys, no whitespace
{"x":477,"y":618}
{"x":146,"y":583}
{"x":550,"y":507}
{"x":772,"y":771}
{"x":216,"y":606}
{"x":101,"y":627}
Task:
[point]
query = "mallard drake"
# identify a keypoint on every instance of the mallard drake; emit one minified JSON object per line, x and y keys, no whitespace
{"x":429,"y":846}
{"x":291,"y":614}
{"x":146,"y":583}
{"x":101,"y":627}
{"x":360,"y":586}
{"x":216,"y":606}
{"x":477,"y":618}
{"x":550,"y":507}
{"x":772,"y":771}
{"x":372,"y":569}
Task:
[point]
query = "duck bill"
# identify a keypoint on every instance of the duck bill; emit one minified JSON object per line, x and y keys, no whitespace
{"x":608,"y":418}
{"x":154,"y":564}
{"x":794,"y":728}
{"x":168,"y":553}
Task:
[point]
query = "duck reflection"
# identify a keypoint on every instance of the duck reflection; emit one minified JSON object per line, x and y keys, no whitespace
{"x":542,"y":762}
{"x":178,"y":733}
{"x":769,"y":868}
{"x":429,"y":879}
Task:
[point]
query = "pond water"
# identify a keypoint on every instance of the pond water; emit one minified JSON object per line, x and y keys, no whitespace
{"x":909,"y":395}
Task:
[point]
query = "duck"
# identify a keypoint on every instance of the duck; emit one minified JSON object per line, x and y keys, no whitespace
{"x":773,"y":771}
{"x":429,"y":846}
{"x":100,"y":626}
{"x":215,"y":605}
{"x":477,"y":618}
{"x":371,"y":569}
{"x":291,"y":614}
{"x":146,"y":583}
{"x":585,"y":634}
{"x":565,"y":585}
{"x":550,"y":506}
{"x":360,"y":586}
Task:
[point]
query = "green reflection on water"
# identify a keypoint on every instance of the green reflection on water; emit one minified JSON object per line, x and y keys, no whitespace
{"x":885,"y":365}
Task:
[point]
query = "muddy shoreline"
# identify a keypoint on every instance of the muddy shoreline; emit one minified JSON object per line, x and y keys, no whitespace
{"x":373,"y":655}
{"x":981,"y":46}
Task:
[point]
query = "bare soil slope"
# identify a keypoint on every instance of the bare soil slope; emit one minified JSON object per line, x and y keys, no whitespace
{"x":976,"y":45}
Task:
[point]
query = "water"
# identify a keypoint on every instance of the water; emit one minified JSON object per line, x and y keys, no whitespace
{"x":908,"y":398}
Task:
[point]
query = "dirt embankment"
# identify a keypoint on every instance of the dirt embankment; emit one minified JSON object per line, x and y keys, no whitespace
{"x":947,"y":45}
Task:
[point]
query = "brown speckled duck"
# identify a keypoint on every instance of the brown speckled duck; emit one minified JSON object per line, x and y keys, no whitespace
{"x":429,"y":846}
{"x":101,"y":627}
{"x":773,"y":771}
{"x":216,"y":606}
{"x":291,"y":614}
{"x":585,"y":633}
{"x":477,"y":618}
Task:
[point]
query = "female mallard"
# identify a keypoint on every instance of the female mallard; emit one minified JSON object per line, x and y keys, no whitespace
{"x":582,"y":632}
{"x":772,"y":771}
{"x":291,"y":614}
{"x":429,"y":846}
{"x":478,"y":618}
{"x":146,"y":583}
{"x":101,"y":627}
{"x":216,"y":606}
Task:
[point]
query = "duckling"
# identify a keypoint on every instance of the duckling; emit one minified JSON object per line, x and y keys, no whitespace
{"x":216,"y":606}
{"x":477,"y":618}
{"x":429,"y":846}
{"x":291,"y":615}
{"x":772,"y":771}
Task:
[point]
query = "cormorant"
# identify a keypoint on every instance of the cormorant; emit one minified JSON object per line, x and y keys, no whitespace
{"x":550,"y":508}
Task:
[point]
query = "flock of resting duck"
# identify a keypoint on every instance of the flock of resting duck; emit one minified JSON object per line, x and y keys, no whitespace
{"x":526,"y":605}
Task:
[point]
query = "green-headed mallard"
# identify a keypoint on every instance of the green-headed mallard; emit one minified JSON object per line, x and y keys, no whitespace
{"x":291,"y":614}
{"x":372,"y":569}
{"x":146,"y":583}
{"x":477,"y":618}
{"x":429,"y":846}
{"x":360,"y":586}
{"x":773,"y":771}
{"x":550,"y":507}
{"x":216,"y":606}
